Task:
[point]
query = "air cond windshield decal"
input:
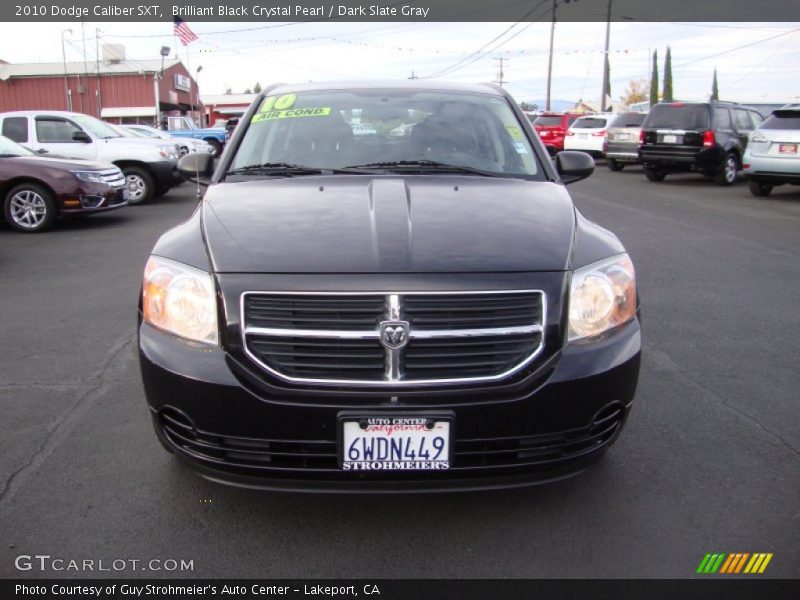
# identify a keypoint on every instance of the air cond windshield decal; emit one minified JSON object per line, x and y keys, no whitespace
{"x":280,"y":107}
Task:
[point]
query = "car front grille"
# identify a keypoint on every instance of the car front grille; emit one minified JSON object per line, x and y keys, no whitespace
{"x":113,"y":177}
{"x":470,"y":454}
{"x":410,"y":338}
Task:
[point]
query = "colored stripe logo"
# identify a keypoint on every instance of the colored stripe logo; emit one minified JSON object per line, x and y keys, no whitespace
{"x":738,"y":562}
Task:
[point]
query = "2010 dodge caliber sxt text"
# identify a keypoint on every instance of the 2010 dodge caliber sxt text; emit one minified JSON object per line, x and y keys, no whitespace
{"x":387,"y":288}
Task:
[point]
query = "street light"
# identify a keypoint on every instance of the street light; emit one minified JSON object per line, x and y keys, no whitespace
{"x":196,"y":90}
{"x":64,"y":59}
{"x":157,"y":96}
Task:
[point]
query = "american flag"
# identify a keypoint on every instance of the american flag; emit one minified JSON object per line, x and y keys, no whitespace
{"x":185,"y":35}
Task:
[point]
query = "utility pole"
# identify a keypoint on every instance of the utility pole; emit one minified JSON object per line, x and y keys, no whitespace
{"x":605,"y":59}
{"x":98,"y":96}
{"x":85,"y":69}
{"x":500,"y":72}
{"x":550,"y":56}
{"x":413,"y":76}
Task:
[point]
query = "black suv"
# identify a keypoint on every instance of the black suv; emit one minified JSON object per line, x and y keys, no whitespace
{"x":354,"y":310}
{"x":707,"y":138}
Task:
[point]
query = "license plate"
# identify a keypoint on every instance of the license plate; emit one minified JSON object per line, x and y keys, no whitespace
{"x":670,"y":139}
{"x":126,"y":194}
{"x":395,"y":443}
{"x":622,"y":136}
{"x":582,"y":136}
{"x":787,"y":149}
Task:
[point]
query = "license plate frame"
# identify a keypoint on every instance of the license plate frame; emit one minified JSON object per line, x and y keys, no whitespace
{"x":438,"y":417}
{"x":787,"y":149}
{"x":622,"y":136}
{"x":671,"y":139}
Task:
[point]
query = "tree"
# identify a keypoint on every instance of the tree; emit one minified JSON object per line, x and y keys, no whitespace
{"x":528,"y":107}
{"x":248,"y":91}
{"x":228,"y":91}
{"x":668,"y":77}
{"x":636,"y":91}
{"x":654,"y":80}
{"x":257,"y":89}
{"x":714,"y":87}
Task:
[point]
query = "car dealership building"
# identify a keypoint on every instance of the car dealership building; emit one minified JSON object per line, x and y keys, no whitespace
{"x":114,"y":88}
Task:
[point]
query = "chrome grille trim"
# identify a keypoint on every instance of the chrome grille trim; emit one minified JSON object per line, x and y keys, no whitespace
{"x":394,"y":358}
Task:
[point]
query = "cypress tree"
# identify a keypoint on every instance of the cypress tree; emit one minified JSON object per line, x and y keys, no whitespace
{"x":715,"y":87}
{"x":654,"y":80}
{"x":668,"y":77}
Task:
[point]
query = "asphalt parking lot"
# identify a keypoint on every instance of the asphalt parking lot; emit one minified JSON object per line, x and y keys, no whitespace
{"x":709,"y":462}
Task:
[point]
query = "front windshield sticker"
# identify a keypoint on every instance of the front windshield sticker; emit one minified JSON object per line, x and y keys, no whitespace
{"x":280,"y":107}
{"x":286,"y":114}
{"x":514,"y":131}
{"x":520,"y":148}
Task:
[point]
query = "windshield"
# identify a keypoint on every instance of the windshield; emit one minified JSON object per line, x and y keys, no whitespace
{"x":395,"y":130}
{"x":629,"y":120}
{"x":9,"y":148}
{"x":590,"y":123}
{"x":548,"y":121}
{"x":95,"y":127}
{"x":678,"y":116}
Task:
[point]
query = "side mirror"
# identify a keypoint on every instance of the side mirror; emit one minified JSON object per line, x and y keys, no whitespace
{"x":196,"y":167}
{"x":573,"y":166}
{"x":81,"y":136}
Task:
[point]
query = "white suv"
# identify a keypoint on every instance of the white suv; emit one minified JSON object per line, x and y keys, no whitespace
{"x":149,"y":166}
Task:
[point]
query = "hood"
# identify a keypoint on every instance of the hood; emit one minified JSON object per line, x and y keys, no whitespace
{"x":388,"y":224}
{"x":138,"y":141}
{"x":55,"y":162}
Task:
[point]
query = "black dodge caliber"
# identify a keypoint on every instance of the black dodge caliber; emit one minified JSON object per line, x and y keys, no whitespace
{"x":387,"y":288}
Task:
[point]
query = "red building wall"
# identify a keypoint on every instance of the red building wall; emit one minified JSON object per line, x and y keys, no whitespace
{"x":116,"y":90}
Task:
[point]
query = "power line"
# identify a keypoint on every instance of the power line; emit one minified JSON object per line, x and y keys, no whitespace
{"x":463,"y":62}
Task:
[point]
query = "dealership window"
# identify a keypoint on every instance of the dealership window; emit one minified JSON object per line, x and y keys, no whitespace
{"x":16,"y":128}
{"x":55,"y":131}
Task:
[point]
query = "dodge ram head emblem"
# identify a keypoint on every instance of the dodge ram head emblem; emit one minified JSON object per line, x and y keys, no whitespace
{"x":394,"y":334}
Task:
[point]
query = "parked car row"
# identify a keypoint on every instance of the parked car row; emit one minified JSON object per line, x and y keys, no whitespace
{"x":56,"y":163}
{"x":715,"y":139}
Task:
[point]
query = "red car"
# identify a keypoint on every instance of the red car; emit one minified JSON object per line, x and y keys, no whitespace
{"x":552,"y":127}
{"x":35,"y":190}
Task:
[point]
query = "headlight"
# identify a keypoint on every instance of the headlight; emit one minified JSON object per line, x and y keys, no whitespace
{"x":169,"y":152}
{"x":602,"y":296}
{"x":180,"y":300}
{"x":93,"y":176}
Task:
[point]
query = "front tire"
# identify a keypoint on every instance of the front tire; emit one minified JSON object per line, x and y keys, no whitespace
{"x":30,"y":208}
{"x":727,"y":173}
{"x":654,"y":175}
{"x":141,"y":187}
{"x":759,"y":188}
{"x":615,"y":165}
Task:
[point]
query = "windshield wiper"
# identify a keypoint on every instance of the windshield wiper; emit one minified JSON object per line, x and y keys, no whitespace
{"x":288,"y":170}
{"x":277,"y":168}
{"x":424,"y":165}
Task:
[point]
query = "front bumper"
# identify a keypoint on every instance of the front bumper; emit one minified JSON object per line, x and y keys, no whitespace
{"x":233,"y":425}
{"x":89,"y":197}
{"x":166,"y":173}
